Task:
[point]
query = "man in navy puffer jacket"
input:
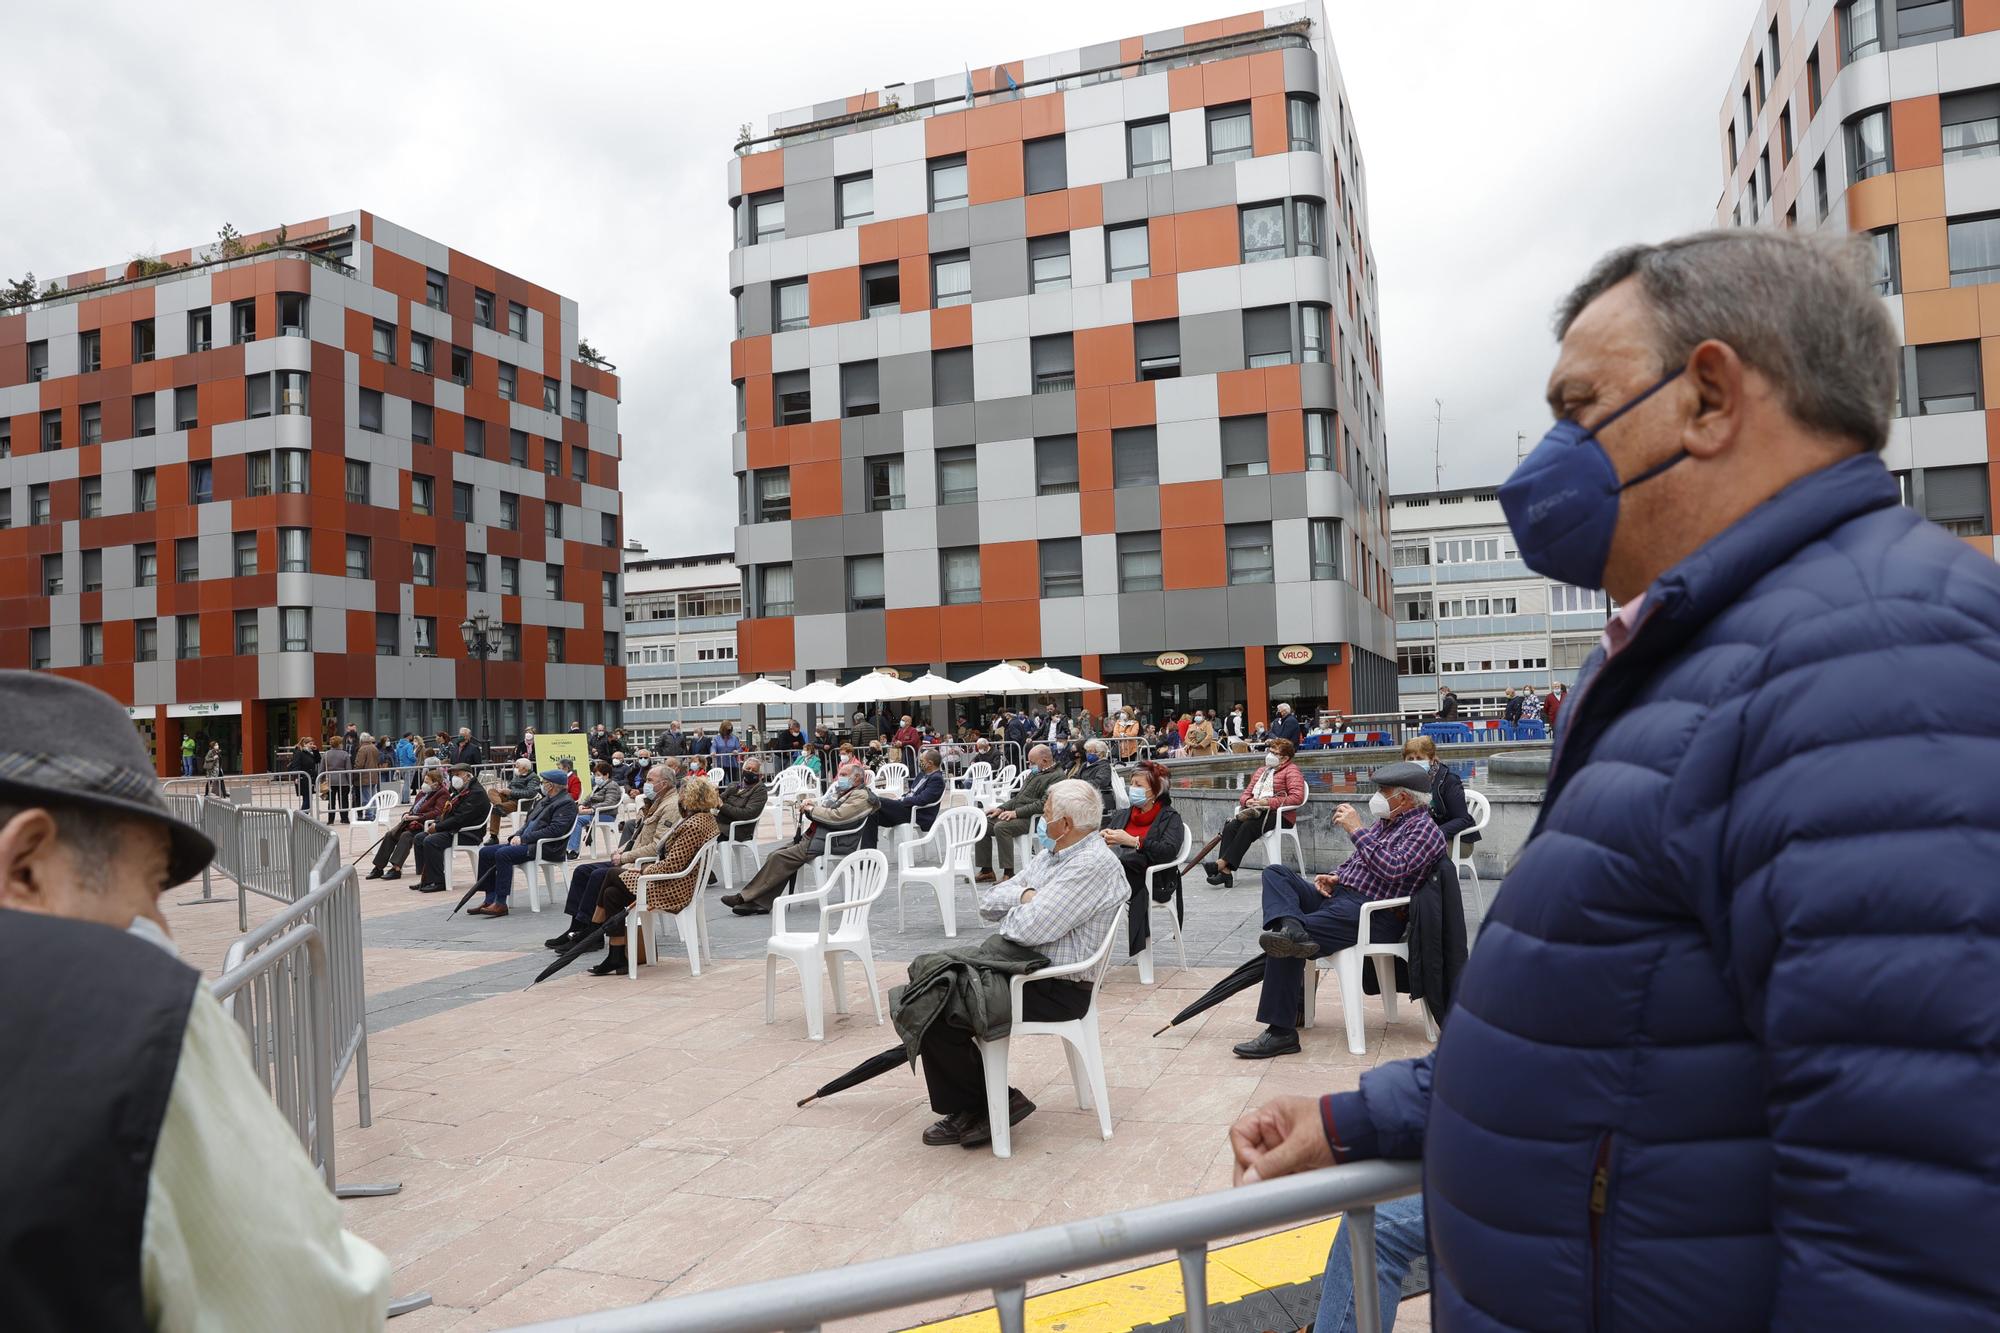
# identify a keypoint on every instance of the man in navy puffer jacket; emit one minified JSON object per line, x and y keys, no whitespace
{"x":1727,"y":1054}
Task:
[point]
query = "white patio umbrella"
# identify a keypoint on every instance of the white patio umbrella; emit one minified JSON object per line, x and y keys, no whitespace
{"x":758,"y":691}
{"x":874,"y":688}
{"x":1049,"y":680}
{"x":1004,"y":678}
{"x":818,"y":692}
{"x":933,"y":686}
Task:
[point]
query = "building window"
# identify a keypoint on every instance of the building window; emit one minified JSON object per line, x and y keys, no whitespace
{"x":1955,"y":498}
{"x":1135,"y":456}
{"x":1062,"y":567}
{"x":142,"y":340}
{"x":185,"y":411}
{"x":864,"y":583}
{"x":1812,"y":84}
{"x":551,"y":392}
{"x":510,"y":576}
{"x":246,"y":633}
{"x":146,"y":564}
{"x":1249,"y":546}
{"x":434,"y":289}
{"x":38,"y":503}
{"x":187,"y":637}
{"x":774,"y":590}
{"x":1882,"y":249}
{"x":507,"y":374}
{"x":510,"y":511}
{"x":958,"y":575}
{"x":461,"y":366}
{"x":552,"y":516}
{"x":38,"y":361}
{"x":947,"y":183}
{"x":552,"y":581}
{"x":517,"y":320}
{"x":1971,"y":124}
{"x":609,"y":586}
{"x":794,"y":393}
{"x":89,"y":350}
{"x":860,"y":389}
{"x":517,"y":448}
{"x":881,"y":289}
{"x":93,"y":645}
{"x":1868,"y":147}
{"x":1053,"y":358}
{"x":1302,"y":123}
{"x":1785,"y":136}
{"x":1324,"y":536}
{"x":294,"y":393}
{"x":201,"y":482}
{"x":951,"y":279}
{"x":423,"y":423}
{"x":257,"y":396}
{"x":38,"y":649}
{"x":1974,"y":248}
{"x":958,"y":476}
{"x":383,"y":343}
{"x":1416,"y":661}
{"x":199,"y":325}
{"x":371,"y":410}
{"x":357,"y":482}
{"x":388,"y":634}
{"x":774,"y":494}
{"x":1228,"y":133}
{"x":1048,"y":263}
{"x":1128,"y":255}
{"x":1919,"y":22}
{"x":146,"y":640}
{"x":1148,"y":148}
{"x":510,"y":643}
{"x":1263,"y":227}
{"x":552,"y":458}
{"x":423,"y":566}
{"x":475,"y":437}
{"x":1309,"y":226}
{"x":885,"y":483}
{"x":1267,"y":336}
{"x":951,"y":376}
{"x":187,"y":560}
{"x":52,"y":576}
{"x":1139,"y":562}
{"x":461,"y":501}
{"x":423,"y":495}
{"x":295,"y":629}
{"x":790,"y":306}
{"x":52,"y":428}
{"x":1319,"y":441}
{"x":482,"y":308}
{"x":1055,"y":465}
{"x":857,"y":199}
{"x":93,"y":497}
{"x":243,"y":321}
{"x":91,"y":418}
{"x":358,"y":561}
{"x":555,"y":645}
{"x":1246,"y":448}
{"x":475,"y":572}
{"x":579,"y":400}
{"x":1157,"y":349}
{"x":1947,"y":378}
{"x":1821,"y":207}
{"x":294,"y":550}
{"x":767,"y":217}
{"x":1045,"y":165}
{"x":259,"y":476}
{"x":144,"y":408}
{"x":1315,"y":333}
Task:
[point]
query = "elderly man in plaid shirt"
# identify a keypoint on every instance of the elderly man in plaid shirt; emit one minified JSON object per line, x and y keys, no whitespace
{"x":1305,"y":919}
{"x":1063,"y":905}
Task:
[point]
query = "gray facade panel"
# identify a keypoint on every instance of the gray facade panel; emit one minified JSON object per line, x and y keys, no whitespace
{"x":950,"y":230}
{"x":1302,"y":73}
{"x":815,"y":537}
{"x":884,"y":433}
{"x":1319,"y":386}
{"x":1246,"y":499}
{"x":1161,"y":40}
{"x":999,"y":270}
{"x":957,"y":525}
{"x":1124,"y":201}
{"x":1212,"y":343}
{"x":904,"y":382}
{"x":1052,"y":413}
{"x":1142,"y":622}
{"x":809,"y":161}
{"x":756,"y":300}
{"x":863,"y":531}
{"x":951,"y":426}
{"x":1103,"y":53}
{"x":1006,"y":220}
{"x":809,"y":205}
{"x":853,"y":482}
{"x":1253,"y":614}
{"x":854,"y":436}
{"x":819,"y":586}
{"x":867,"y":638}
{"x":1007,"y":418}
{"x":1160,"y":194}
{"x":1288,"y":497}
{"x":1203,"y":187}
{"x":1199,"y":616}
{"x":1136,"y":508}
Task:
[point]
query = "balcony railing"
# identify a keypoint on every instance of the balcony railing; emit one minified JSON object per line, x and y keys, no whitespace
{"x":292,"y":250}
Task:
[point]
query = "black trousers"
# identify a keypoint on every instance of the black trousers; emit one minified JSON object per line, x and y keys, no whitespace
{"x":953,"y":1070}
{"x":1139,"y":915}
{"x":1240,"y":836}
{"x":586,"y":882}
{"x":394,"y":849}
{"x":431,"y":851}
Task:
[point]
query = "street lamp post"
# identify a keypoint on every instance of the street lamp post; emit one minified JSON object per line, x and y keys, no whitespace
{"x":479,"y":642}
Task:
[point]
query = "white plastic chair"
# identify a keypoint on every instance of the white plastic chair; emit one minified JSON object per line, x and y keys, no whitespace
{"x":1164,"y":912}
{"x":382,"y":807}
{"x":842,"y":903}
{"x":602,"y":836}
{"x":725,"y":859}
{"x":452,"y":851}
{"x":1079,"y":1037}
{"x":1274,"y":842}
{"x":796,"y":785}
{"x":891,"y":779}
{"x":690,"y":923}
{"x":954,"y":834}
{"x":974,"y":780}
{"x":839,"y":844}
{"x":1481,"y":811}
{"x":545,"y":876}
{"x":1346,"y":967}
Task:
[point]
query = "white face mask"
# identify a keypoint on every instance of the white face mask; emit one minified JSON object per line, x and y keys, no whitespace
{"x":1378,"y":806}
{"x":458,"y":782}
{"x":1272,"y":759}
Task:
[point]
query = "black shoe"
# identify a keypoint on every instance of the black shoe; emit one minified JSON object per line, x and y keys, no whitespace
{"x":1288,"y":939}
{"x":1270,"y":1042}
{"x":572,"y":856}
{"x":490,"y":842}
{"x":392,"y":873}
{"x":1214,"y":874}
{"x":376,"y":873}
{"x":428,"y":888}
{"x":732,"y":900}
{"x":1019,"y":1108}
{"x":952,"y":1129}
{"x":562,"y":941}
{"x":614,"y":962}
{"x":751,"y":909}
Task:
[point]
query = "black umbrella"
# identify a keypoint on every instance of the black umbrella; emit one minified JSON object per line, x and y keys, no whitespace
{"x":1242,"y":979}
{"x":873,"y":1067}
{"x":583,"y":946}
{"x":477,"y":885}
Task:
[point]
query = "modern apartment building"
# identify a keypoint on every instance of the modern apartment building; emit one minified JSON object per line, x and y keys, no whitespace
{"x":680,"y":641}
{"x":253,"y":489}
{"x":1070,"y":360}
{"x":1883,"y":117}
{"x":1470,"y":615}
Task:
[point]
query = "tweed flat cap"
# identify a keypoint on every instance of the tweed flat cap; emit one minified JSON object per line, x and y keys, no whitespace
{"x":66,"y":743}
{"x":1403,"y":773}
{"x":555,"y":775}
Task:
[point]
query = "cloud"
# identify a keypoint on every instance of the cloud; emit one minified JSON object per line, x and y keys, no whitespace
{"x":586,"y":150}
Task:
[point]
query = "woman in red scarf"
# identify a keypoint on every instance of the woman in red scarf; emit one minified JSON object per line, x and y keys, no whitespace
{"x":1151,"y":836}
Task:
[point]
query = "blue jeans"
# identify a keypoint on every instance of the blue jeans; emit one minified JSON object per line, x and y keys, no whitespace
{"x":576,"y":834}
{"x":502,"y":860}
{"x":1399,"y":1242}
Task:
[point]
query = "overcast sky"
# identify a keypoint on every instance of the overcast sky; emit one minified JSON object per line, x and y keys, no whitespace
{"x":585,"y":149}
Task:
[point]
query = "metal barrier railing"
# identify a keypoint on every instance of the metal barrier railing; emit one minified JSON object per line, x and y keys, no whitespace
{"x":1006,"y":1264}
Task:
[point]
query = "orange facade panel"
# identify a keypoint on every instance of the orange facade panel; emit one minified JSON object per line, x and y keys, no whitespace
{"x":834,"y":296}
{"x":991,"y":126}
{"x":1009,"y":571}
{"x":1205,"y":238}
{"x":951,"y":327}
{"x":913,"y":634}
{"x":994,"y":173}
{"x":761,"y":171}
{"x":1104,"y":356}
{"x":1189,"y":503}
{"x":1193,"y":557}
{"x":765,"y":645}
{"x":1012,"y":629}
{"x":1914,"y":129}
{"x":1981,"y":16}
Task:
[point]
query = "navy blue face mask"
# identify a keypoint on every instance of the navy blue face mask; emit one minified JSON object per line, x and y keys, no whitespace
{"x":1562,"y":501}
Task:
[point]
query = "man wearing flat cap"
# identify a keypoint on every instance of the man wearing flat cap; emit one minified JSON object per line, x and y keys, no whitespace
{"x":150,"y":1181}
{"x":1304,"y":919}
{"x":552,"y":819}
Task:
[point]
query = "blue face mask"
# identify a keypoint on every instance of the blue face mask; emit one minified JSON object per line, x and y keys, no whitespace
{"x":1562,"y":501}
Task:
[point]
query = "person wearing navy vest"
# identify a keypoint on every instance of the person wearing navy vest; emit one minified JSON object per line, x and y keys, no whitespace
{"x":1723,"y":1057}
{"x":149,"y":1182}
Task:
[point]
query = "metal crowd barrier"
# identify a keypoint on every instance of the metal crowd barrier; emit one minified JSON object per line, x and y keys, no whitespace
{"x":1006,"y":1264}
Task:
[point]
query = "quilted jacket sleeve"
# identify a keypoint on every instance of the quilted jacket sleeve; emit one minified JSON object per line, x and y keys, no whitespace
{"x":1384,"y":1117}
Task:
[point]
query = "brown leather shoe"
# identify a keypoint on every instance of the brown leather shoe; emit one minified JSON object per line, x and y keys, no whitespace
{"x":952,"y":1129}
{"x":984,"y":877}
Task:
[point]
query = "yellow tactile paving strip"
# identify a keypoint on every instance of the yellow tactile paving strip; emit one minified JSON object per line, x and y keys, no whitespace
{"x":1153,"y":1295}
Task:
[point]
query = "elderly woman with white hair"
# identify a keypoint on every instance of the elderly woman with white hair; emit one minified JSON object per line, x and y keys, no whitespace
{"x":847,"y":805}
